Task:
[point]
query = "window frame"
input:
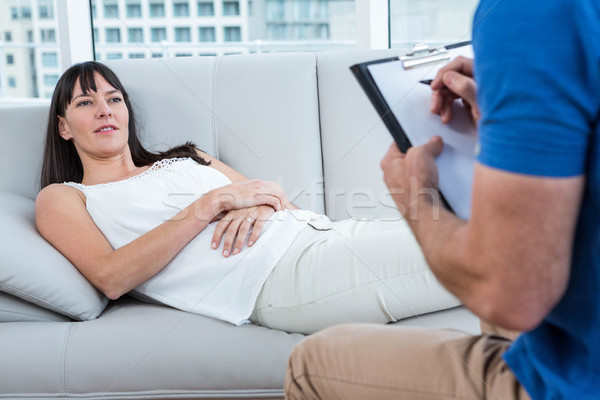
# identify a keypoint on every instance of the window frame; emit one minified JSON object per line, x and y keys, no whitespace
{"x":75,"y":20}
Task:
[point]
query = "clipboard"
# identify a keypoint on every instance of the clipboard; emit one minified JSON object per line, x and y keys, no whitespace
{"x":392,"y":85}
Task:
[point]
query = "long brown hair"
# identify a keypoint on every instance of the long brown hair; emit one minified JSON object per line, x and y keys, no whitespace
{"x":61,"y":161}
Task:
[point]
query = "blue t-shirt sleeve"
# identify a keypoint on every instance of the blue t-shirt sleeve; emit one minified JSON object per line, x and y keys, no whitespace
{"x":537,"y":102}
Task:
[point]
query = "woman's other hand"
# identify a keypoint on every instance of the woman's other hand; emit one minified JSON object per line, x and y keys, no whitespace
{"x":455,"y":81}
{"x":249,"y":193}
{"x":236,"y":225}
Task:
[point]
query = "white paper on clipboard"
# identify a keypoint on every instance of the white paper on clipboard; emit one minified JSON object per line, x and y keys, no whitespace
{"x":410,"y":102}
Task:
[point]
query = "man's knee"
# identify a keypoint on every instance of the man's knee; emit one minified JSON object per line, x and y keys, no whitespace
{"x":311,"y":360}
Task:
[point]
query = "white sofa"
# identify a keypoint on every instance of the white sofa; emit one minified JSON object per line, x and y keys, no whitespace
{"x":298,"y":119}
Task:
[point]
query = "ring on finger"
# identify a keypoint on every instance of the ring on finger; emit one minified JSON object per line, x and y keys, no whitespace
{"x":249,"y":220}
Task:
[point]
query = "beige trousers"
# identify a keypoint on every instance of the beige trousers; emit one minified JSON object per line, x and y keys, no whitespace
{"x":357,"y":271}
{"x":371,"y":362}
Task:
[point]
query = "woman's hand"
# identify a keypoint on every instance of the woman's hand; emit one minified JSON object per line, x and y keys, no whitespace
{"x":452,"y":82}
{"x":237,"y":223}
{"x":249,"y":193}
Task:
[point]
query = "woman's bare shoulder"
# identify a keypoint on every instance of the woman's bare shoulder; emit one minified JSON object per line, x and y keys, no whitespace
{"x":57,"y":193}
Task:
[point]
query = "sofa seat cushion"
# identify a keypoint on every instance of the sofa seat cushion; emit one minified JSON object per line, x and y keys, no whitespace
{"x":35,"y":271}
{"x":137,"y":349}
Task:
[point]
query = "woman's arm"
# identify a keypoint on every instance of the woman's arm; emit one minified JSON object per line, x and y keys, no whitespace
{"x":235,"y":226}
{"x":63,"y":220}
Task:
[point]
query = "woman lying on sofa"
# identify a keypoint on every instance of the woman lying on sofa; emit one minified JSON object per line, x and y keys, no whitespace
{"x":152,"y":224}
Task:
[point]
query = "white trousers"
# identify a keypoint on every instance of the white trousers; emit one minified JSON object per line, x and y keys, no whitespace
{"x":357,"y":271}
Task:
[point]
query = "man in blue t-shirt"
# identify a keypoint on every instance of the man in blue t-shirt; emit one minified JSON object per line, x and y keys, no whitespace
{"x":529,"y":257}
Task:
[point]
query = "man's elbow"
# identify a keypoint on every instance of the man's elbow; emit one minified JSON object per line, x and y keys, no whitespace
{"x":522,"y":319}
{"x":523,"y":312}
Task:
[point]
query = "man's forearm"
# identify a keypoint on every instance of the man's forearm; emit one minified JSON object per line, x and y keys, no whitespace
{"x":444,"y":240}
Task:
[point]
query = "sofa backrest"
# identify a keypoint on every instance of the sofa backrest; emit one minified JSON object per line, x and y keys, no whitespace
{"x":299,"y":119}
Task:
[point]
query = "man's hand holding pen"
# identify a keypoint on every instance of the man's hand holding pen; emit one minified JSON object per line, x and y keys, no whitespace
{"x":454,"y":81}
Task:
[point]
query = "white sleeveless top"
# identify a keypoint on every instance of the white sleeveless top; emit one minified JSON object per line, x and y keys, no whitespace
{"x":198,"y":279}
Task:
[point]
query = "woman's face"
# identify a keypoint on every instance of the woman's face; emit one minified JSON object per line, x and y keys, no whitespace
{"x":96,"y":122}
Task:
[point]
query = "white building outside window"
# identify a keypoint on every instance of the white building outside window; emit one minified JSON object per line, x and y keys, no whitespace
{"x":157,"y":28}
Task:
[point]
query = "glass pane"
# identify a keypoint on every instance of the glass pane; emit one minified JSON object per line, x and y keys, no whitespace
{"x":303,"y":25}
{"x":430,"y":21}
{"x":177,"y":28}
{"x":181,"y":9}
{"x":134,"y":10}
{"x":29,"y":50}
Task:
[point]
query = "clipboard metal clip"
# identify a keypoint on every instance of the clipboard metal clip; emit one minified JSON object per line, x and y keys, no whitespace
{"x":422,"y":55}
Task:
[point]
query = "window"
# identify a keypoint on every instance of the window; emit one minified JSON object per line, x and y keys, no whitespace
{"x":14,"y":13}
{"x":323,"y":10}
{"x":206,"y":9}
{"x":134,"y":10}
{"x":113,"y":35}
{"x":111,"y":9}
{"x":181,"y":9}
{"x":29,"y":36}
{"x":93,"y":5}
{"x":135,"y":35}
{"x":157,"y":10}
{"x":158,"y":34}
{"x":10,"y":59}
{"x":277,"y":31}
{"x":233,"y":34}
{"x":113,"y":56}
{"x":437,"y":21}
{"x":275,"y":10}
{"x":50,"y":80}
{"x":12,"y":82}
{"x":96,"y":35}
{"x":26,"y":12}
{"x":310,"y":32}
{"x":136,"y":55}
{"x":183,"y":35}
{"x":47,"y":35}
{"x":46,"y":10}
{"x":206,"y":34}
{"x":156,"y":55}
{"x":183,"y":54}
{"x":231,"y":8}
{"x":303,"y":10}
{"x":50,"y":59}
{"x":7,"y":36}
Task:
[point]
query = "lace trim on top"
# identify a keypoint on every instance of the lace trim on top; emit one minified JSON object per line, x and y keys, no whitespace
{"x":157,"y":169}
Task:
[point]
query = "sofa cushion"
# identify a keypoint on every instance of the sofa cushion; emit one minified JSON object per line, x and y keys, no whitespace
{"x":267,"y":122}
{"x":140,"y":350}
{"x":36,"y":272}
{"x":22,"y":132}
{"x":354,"y":140}
{"x":14,"y":309}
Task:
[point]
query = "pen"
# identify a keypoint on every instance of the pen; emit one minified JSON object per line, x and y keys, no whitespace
{"x":426,"y":81}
